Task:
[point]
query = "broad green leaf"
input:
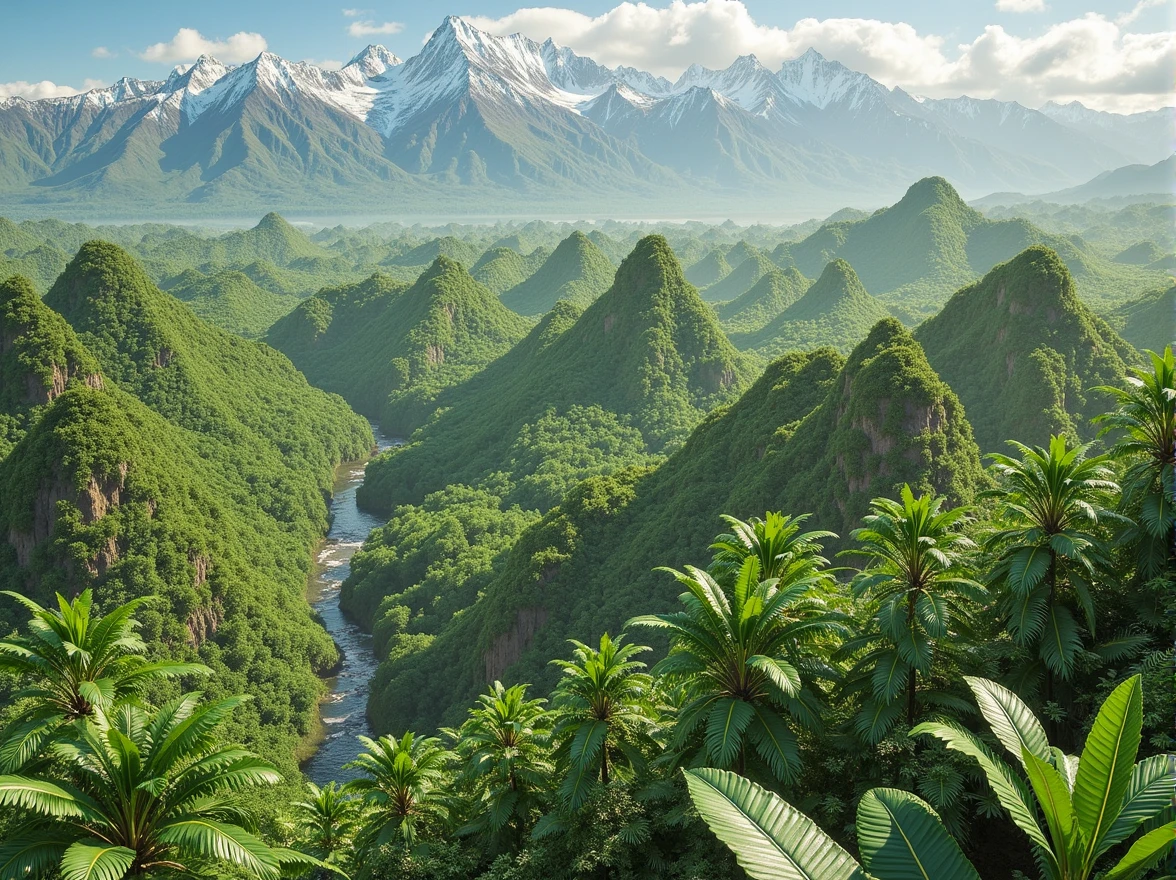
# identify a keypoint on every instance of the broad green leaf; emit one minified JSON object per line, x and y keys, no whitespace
{"x":195,"y":835}
{"x":780,"y":673}
{"x":1060,"y":642}
{"x":21,"y":858}
{"x":1053,"y":796}
{"x":1011,"y":720}
{"x":725,"y":724}
{"x":1009,"y":790}
{"x":583,"y":762}
{"x":45,"y":798}
{"x":1107,"y":760}
{"x":771,"y":840}
{"x":1148,"y":792}
{"x":1144,"y":853}
{"x":96,"y":860}
{"x":1026,"y":569}
{"x":875,"y":719}
{"x":890,"y":677}
{"x":774,"y":742}
{"x":900,"y":836}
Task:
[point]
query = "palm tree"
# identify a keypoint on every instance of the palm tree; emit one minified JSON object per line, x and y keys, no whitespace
{"x":776,"y":541}
{"x":326,"y":823}
{"x":735,"y":653}
{"x":915,"y":582}
{"x":1090,"y":803}
{"x":1052,"y":503}
{"x":504,"y":748}
{"x":604,"y":706}
{"x":146,"y":793}
{"x":405,"y":786}
{"x":1145,"y":415}
{"x":73,"y":664}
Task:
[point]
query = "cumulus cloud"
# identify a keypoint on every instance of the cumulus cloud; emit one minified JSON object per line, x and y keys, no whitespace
{"x":353,"y":13}
{"x":1092,"y":59}
{"x":102,"y":52}
{"x":1021,"y":5}
{"x":325,"y":64}
{"x":45,"y":89}
{"x":189,"y":44}
{"x":369,"y":28}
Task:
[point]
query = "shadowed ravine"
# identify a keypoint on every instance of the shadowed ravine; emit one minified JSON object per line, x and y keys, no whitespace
{"x":343,"y":710}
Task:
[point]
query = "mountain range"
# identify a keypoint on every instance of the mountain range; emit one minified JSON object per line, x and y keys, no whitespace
{"x":474,"y":119}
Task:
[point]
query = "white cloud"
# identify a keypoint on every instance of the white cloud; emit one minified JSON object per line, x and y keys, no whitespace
{"x":102,"y":52}
{"x":1021,"y":5}
{"x":1137,"y":10}
{"x":352,"y":13}
{"x":45,"y":89}
{"x":325,"y":64}
{"x":368,"y":28}
{"x":189,"y":44}
{"x":1091,"y":59}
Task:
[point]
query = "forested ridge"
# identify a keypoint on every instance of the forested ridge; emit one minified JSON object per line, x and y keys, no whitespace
{"x":784,"y":536}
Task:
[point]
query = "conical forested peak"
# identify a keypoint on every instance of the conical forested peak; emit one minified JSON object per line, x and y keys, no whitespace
{"x":841,"y":276}
{"x":441,"y":266}
{"x":776,"y":290}
{"x":274,"y":222}
{"x":650,"y":266}
{"x":837,"y":288}
{"x":121,"y":316}
{"x":576,"y":270}
{"x":929,"y":192}
{"x":710,"y":269}
{"x":889,"y":419}
{"x":1022,"y":351}
{"x":39,"y":352}
{"x":15,"y":240}
{"x":740,"y":252}
{"x":447,"y":246}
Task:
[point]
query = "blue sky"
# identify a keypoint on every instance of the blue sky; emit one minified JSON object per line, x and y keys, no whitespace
{"x":73,"y":42}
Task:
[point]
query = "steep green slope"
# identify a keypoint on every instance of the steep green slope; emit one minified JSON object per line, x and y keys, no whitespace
{"x":710,"y":269}
{"x":740,"y":252}
{"x":836,"y":310}
{"x":577,"y":271}
{"x":915,"y":253}
{"x":501,"y":268}
{"x":205,"y":379}
{"x":815,"y":433}
{"x":230,"y":300}
{"x":179,"y":494}
{"x":39,"y":356}
{"x":272,"y":239}
{"x":740,"y":279}
{"x":1022,"y":352}
{"x":648,"y":349}
{"x":389,"y":350}
{"x":768,"y":297}
{"x":1140,"y":254}
{"x":447,"y":246}
{"x":1149,"y":322}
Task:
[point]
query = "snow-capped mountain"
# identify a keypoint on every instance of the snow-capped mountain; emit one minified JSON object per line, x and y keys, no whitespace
{"x":495,"y":115}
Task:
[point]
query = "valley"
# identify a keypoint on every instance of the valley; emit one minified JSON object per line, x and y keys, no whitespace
{"x":205,"y":417}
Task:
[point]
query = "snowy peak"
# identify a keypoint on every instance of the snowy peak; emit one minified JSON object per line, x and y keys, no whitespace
{"x":372,"y":61}
{"x":617,"y":106}
{"x":812,"y":79}
{"x":746,"y":82}
{"x":574,"y":73}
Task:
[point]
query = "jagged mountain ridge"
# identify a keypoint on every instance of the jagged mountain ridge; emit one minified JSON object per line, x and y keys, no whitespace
{"x":490,"y":113}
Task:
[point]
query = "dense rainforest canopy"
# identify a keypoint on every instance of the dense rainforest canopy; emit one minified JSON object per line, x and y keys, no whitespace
{"x":732,"y":500}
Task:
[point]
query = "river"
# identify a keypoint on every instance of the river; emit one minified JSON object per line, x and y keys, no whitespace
{"x":344,"y":710}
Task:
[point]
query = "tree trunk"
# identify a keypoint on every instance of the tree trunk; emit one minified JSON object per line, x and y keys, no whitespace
{"x":604,"y":762}
{"x":1050,"y":725}
{"x":912,"y":674}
